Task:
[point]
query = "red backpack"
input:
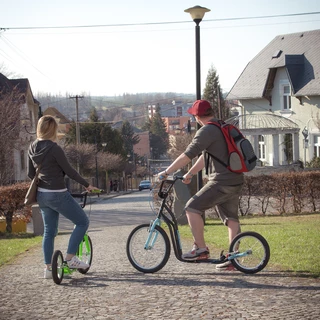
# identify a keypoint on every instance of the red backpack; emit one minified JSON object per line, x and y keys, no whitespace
{"x":241,"y":156}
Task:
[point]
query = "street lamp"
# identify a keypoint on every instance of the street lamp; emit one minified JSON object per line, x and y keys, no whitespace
{"x":133,"y":162}
{"x":197,"y":13}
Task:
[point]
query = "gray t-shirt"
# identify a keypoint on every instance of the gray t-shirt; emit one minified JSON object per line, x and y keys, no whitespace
{"x":54,"y":165}
{"x":210,"y":138}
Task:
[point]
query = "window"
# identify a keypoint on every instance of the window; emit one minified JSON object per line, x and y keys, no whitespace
{"x":286,"y":97}
{"x":288,"y":147}
{"x":277,"y":54}
{"x":262,"y":148}
{"x":316,"y":146}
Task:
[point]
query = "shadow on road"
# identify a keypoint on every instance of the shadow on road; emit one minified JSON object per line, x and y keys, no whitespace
{"x":239,"y":281}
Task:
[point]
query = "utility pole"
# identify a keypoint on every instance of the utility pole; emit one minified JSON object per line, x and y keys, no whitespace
{"x":77,"y":125}
{"x":77,"y":121}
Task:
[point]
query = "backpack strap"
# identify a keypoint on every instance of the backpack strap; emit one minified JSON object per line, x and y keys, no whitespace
{"x":218,"y":124}
{"x":208,"y":155}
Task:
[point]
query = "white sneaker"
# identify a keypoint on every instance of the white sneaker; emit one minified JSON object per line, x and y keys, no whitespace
{"x":197,"y":253}
{"x":75,"y":263}
{"x":47,"y":274}
{"x":226,"y":266}
{"x":223,"y":265}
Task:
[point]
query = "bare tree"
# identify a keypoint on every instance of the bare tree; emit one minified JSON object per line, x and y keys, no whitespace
{"x":8,"y":73}
{"x":109,"y":161}
{"x":82,"y":155}
{"x":316,"y":119}
{"x":178,"y":144}
{"x":11,"y":101}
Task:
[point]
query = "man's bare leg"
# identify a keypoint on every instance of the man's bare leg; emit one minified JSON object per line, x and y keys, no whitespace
{"x":197,"y":228}
{"x":233,"y":228}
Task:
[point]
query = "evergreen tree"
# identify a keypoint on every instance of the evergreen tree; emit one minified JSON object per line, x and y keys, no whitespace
{"x":113,"y":139}
{"x":212,"y":92}
{"x":159,"y":138}
{"x":96,"y":133}
{"x":129,"y":137}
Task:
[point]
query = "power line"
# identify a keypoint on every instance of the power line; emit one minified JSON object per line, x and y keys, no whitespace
{"x":159,"y":23}
{"x":16,"y":50}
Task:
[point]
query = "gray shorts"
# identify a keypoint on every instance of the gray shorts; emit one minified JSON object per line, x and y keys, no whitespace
{"x":213,"y":194}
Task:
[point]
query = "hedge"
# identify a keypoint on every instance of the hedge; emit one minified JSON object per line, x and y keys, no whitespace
{"x":12,"y":203}
{"x":287,"y":192}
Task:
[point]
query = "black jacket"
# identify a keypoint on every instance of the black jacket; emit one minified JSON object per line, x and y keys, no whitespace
{"x":54,"y":165}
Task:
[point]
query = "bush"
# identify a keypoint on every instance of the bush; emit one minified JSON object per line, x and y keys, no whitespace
{"x":287,"y":192}
{"x":12,"y":203}
{"x":314,"y":163}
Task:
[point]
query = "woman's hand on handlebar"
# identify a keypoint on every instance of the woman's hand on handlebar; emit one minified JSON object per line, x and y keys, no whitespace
{"x":91,"y":188}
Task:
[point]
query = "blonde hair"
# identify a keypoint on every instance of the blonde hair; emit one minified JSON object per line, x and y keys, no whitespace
{"x":47,"y":128}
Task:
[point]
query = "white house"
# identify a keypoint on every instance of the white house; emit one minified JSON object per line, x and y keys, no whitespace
{"x":279,"y":91}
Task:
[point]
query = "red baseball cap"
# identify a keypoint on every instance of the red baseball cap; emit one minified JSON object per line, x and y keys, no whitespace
{"x":199,"y":108}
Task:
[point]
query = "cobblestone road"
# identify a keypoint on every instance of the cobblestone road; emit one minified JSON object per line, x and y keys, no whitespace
{"x":113,"y":289}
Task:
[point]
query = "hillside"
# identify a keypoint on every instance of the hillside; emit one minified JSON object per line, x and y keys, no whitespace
{"x":132,"y":107}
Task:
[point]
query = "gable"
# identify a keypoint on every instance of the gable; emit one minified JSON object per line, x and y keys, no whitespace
{"x":57,"y":114}
{"x":299,"y":53}
{"x":23,"y":86}
{"x":5,"y":84}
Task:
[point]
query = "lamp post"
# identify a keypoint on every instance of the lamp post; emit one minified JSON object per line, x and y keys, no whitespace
{"x":134,"y":168}
{"x":305,"y":134}
{"x":97,"y":174}
{"x":104,"y":144}
{"x":197,"y":13}
{"x":132,"y":173}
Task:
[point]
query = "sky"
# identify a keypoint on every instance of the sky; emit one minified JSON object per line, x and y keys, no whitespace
{"x":141,"y":46}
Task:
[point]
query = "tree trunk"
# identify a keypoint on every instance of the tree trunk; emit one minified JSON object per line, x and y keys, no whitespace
{"x":9,"y":216}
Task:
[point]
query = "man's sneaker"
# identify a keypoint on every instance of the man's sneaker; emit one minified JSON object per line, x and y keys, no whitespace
{"x":226,"y":266}
{"x":197,"y":253}
{"x":75,"y":263}
{"x":47,"y":274}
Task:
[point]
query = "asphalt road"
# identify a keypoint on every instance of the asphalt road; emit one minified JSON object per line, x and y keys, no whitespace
{"x":113,"y":289}
{"x":113,"y":210}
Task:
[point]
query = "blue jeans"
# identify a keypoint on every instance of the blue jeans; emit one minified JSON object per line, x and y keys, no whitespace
{"x":51,"y":205}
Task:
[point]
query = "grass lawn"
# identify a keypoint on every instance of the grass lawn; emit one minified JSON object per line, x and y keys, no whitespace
{"x":294,"y":240}
{"x":13,"y":244}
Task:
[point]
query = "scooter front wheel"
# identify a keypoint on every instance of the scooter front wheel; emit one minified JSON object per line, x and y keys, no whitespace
{"x":57,"y":265}
{"x":148,"y":257}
